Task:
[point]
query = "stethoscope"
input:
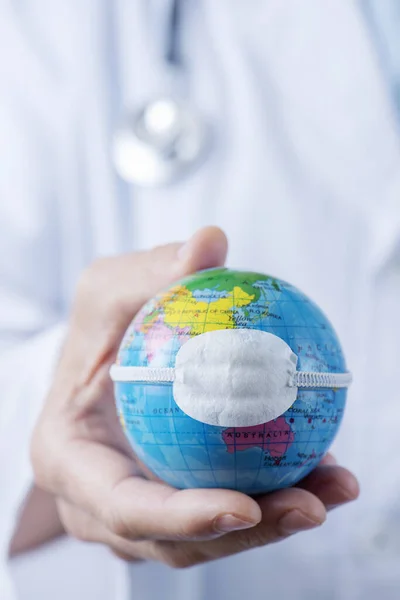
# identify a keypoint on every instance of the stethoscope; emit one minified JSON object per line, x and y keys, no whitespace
{"x":166,"y":137}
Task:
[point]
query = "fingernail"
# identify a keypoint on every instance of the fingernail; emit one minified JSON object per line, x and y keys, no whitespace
{"x":294,"y":521}
{"x":352,"y":489}
{"x":228,"y":523}
{"x":328,"y":460}
{"x":183,"y":251}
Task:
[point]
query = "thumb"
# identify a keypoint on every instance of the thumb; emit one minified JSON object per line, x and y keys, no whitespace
{"x":112,"y":290}
{"x":206,"y":249}
{"x":138,"y":277}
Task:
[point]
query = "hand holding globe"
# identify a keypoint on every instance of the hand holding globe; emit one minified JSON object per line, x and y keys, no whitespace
{"x":80,"y":454}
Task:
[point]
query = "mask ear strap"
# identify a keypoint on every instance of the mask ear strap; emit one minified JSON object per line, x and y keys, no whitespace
{"x":308,"y":379}
{"x":142,"y":374}
{"x":301,"y":379}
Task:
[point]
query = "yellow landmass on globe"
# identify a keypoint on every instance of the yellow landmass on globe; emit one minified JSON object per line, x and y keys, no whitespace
{"x":187,"y":311}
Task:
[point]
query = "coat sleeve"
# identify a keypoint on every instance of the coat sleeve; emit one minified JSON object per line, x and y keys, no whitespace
{"x":31,"y":309}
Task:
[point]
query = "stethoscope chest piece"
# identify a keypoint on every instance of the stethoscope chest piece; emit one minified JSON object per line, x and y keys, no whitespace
{"x":159,"y":143}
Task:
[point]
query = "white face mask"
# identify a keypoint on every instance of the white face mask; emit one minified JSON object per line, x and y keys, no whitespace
{"x":233,"y":377}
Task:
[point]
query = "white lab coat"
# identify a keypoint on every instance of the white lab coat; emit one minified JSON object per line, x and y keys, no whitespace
{"x":304,"y":176}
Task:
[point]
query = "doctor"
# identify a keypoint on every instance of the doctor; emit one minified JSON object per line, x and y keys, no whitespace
{"x":133,"y":124}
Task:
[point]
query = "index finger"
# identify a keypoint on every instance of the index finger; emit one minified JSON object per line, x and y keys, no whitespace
{"x":135,"y":508}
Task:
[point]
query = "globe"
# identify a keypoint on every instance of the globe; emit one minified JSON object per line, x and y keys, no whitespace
{"x":187,"y":453}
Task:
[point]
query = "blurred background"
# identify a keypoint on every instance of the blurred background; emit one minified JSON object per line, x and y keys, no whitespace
{"x":129,"y":124}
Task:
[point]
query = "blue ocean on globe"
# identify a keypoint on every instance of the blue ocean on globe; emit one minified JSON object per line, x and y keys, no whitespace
{"x":187,"y":453}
